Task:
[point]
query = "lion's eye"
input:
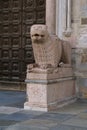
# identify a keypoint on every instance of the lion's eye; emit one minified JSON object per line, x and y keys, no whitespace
{"x":42,"y":35}
{"x":36,"y":35}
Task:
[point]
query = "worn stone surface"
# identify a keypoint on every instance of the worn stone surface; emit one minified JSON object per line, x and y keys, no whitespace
{"x":54,"y":116}
{"x":40,"y":122}
{"x":70,"y":117}
{"x":67,"y":127}
{"x":83,"y":115}
{"x":81,"y":64}
{"x":19,"y":127}
{"x":48,"y":96}
{"x":78,"y":122}
{"x":48,"y":49}
{"x":8,"y":110}
{"x":74,"y":108}
{"x":62,"y":72}
{"x":18,"y":116}
{"x":7,"y":122}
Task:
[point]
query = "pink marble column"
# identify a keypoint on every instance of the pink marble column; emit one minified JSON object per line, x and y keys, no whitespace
{"x":51,"y":15}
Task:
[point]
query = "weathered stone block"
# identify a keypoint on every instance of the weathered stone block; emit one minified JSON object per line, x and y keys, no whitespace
{"x":49,"y":91}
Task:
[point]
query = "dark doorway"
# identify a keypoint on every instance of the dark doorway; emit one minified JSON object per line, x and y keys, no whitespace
{"x":16,"y":18}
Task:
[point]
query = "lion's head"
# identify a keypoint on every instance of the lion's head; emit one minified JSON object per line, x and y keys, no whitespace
{"x":39,"y":33}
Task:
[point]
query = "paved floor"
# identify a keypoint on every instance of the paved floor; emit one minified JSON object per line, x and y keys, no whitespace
{"x":14,"y":117}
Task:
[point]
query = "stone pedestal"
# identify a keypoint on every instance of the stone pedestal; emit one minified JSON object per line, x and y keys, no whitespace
{"x":81,"y":64}
{"x":81,"y":72}
{"x":48,"y":91}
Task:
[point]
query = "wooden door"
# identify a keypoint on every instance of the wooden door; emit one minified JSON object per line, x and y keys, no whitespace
{"x":16,"y":18}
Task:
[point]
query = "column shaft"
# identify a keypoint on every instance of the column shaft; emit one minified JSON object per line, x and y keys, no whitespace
{"x":51,"y":15}
{"x":69,"y":15}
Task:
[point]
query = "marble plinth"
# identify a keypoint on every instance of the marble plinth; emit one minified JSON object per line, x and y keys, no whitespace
{"x":47,"y":92}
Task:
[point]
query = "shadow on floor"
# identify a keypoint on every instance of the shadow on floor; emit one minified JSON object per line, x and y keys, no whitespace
{"x":12,"y":98}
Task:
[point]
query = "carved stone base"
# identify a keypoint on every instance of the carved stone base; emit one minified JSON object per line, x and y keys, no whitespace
{"x":46,"y":93}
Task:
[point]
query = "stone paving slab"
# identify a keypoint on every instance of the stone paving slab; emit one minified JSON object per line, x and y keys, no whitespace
{"x":44,"y":121}
{"x":40,"y":123}
{"x":74,"y":108}
{"x":66,"y":127}
{"x":76,"y":122}
{"x":2,"y":115}
{"x":12,"y":98}
{"x":55,"y":116}
{"x":3,"y":127}
{"x":9,"y":110}
{"x":18,"y":127}
{"x":83,"y":115}
{"x":17,"y":117}
{"x":14,"y":117}
{"x":19,"y":114}
{"x":35,"y":113}
{"x":7,"y":122}
{"x":57,"y":127}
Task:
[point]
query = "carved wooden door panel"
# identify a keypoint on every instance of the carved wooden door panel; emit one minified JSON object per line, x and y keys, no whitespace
{"x":10,"y":43}
{"x":16,"y":18}
{"x":33,"y":13}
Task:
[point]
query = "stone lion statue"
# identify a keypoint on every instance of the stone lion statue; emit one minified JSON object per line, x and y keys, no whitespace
{"x":49,"y":50}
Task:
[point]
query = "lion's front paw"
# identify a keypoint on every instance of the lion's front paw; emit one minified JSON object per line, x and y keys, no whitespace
{"x":45,"y":66}
{"x":64,"y":65}
{"x":31,"y":66}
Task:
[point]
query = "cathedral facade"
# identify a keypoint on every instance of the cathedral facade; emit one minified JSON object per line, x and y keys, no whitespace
{"x":65,"y":18}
